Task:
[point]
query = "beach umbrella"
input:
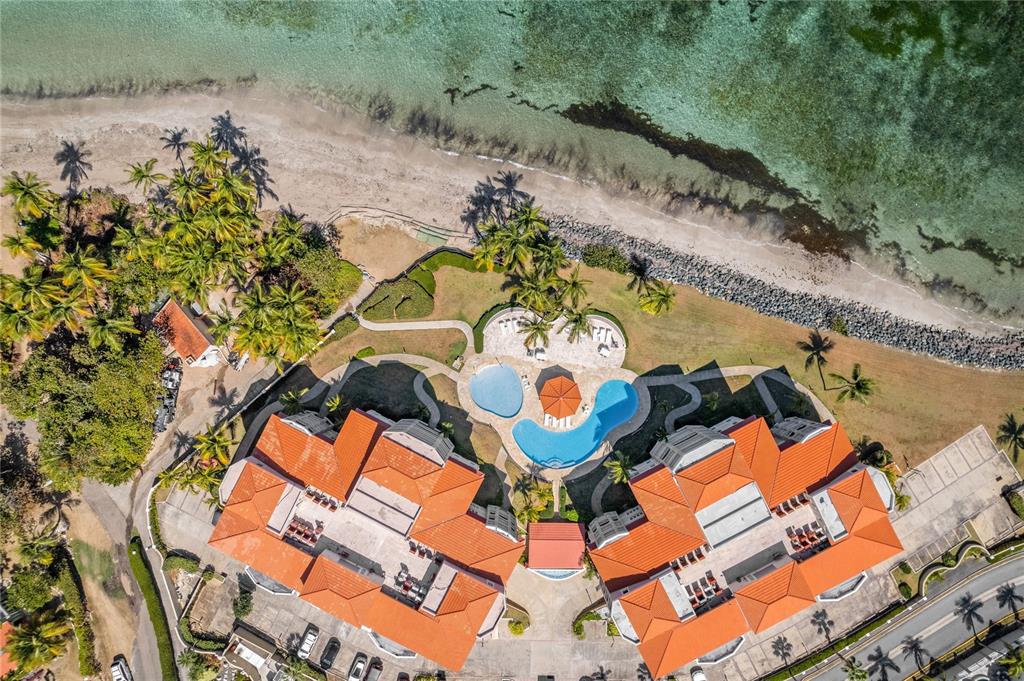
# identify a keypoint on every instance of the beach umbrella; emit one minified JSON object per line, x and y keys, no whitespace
{"x":560,"y":397}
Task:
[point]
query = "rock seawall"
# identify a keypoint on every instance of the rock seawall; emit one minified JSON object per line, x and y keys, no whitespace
{"x":814,"y":311}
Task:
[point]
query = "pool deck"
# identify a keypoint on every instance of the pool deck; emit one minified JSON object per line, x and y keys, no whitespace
{"x":589,"y":379}
{"x":502,"y":339}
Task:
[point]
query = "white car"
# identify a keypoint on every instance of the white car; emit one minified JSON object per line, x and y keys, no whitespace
{"x":308,"y":641}
{"x":119,"y":671}
{"x":697,"y":674}
{"x":358,"y":668}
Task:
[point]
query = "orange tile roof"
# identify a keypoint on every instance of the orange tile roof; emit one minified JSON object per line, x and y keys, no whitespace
{"x":337,"y":590}
{"x":466,"y":540}
{"x":857,"y":501}
{"x":354,"y":442}
{"x":6,"y":663}
{"x":808,"y":465}
{"x":453,"y":492}
{"x":685,"y":642}
{"x":650,"y":610}
{"x":659,"y":496}
{"x":401,"y":470}
{"x":446,"y":638}
{"x":777,"y":596}
{"x":555,"y":546}
{"x":187,"y":335}
{"x":713,"y":478}
{"x":648,"y":547}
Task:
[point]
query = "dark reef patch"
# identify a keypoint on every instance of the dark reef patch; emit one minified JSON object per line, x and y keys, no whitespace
{"x":971,"y":245}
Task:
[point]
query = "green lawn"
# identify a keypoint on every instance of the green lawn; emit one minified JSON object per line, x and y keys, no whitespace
{"x":442,"y":345}
{"x":97,"y":565}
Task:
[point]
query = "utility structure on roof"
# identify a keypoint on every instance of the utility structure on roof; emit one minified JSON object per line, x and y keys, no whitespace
{"x":739,"y":527}
{"x":374,"y":524}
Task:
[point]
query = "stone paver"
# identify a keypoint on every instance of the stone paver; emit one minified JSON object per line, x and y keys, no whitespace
{"x":502,"y":339}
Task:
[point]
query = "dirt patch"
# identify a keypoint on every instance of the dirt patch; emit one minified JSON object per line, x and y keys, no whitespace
{"x":442,"y":345}
{"x":382,"y":250}
{"x":106,"y":586}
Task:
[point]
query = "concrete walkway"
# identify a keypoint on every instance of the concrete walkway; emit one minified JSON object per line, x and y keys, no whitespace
{"x":431,"y":405}
{"x":465,"y":328}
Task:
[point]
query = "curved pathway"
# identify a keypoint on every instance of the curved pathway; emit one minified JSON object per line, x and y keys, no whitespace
{"x":688,"y":408}
{"x":427,"y":400}
{"x":465,"y":328}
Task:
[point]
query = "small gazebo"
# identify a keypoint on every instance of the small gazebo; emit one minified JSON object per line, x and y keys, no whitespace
{"x":560,"y":397}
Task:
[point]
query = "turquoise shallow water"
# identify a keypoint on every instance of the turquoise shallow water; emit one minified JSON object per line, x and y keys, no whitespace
{"x":899,"y":124}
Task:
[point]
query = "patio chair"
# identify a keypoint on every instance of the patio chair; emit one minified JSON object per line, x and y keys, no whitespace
{"x":603,"y":350}
{"x":568,"y":422}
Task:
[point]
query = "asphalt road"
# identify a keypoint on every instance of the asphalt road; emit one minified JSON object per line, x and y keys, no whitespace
{"x":935,"y":621}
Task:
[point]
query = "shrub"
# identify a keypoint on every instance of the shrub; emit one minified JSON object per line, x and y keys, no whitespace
{"x":198,"y":665}
{"x":606,"y":257}
{"x":905,"y":567}
{"x":344,"y":326}
{"x":1017,"y":504}
{"x":400,"y":299}
{"x":839,"y":326}
{"x":517,"y":627}
{"x":199,"y":641}
{"x":424,"y":278}
{"x":577,"y":625}
{"x":447,"y":258}
{"x":905,"y":591}
{"x":949,"y":559}
{"x":147,"y":586}
{"x":183,"y":563}
{"x":154,"y":527}
{"x":74,"y":602}
{"x":30,"y":590}
{"x":242,"y":605}
{"x":611,"y":629}
{"x":363,"y":353}
{"x":331,"y":280}
{"x":570,"y":514}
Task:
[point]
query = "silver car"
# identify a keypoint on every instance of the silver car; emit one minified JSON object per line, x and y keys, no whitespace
{"x":308,"y":641}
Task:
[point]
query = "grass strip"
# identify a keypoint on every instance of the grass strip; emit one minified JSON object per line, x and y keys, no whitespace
{"x":478,"y":329}
{"x":147,"y":585}
{"x":70,"y":585}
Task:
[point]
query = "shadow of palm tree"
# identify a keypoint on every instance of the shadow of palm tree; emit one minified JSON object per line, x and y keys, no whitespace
{"x":174,"y":140}
{"x":223,"y":399}
{"x":494,"y":199}
{"x":881,"y":664}
{"x":225,"y":134}
{"x":74,"y":166}
{"x":248,"y":159}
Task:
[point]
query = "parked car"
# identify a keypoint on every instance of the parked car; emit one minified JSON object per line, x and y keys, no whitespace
{"x":119,"y":671}
{"x":330,"y":653}
{"x":697,"y":674}
{"x":376,"y":667}
{"x":402,"y":676}
{"x":308,"y":641}
{"x":358,"y":668}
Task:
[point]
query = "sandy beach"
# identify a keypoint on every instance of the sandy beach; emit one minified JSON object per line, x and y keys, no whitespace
{"x":326,"y":162}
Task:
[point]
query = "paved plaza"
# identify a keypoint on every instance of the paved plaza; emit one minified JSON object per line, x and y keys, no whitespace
{"x":605,"y":347}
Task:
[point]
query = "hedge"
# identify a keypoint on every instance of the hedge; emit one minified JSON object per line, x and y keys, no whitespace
{"x":612,"y":318}
{"x":450,"y":259}
{"x":822,"y":655}
{"x":147,"y":585}
{"x":74,"y":602}
{"x":198,"y":641}
{"x":424,"y":278}
{"x":577,"y":624}
{"x":154,"y":527}
{"x":399,"y":299}
{"x":478,"y":328}
{"x":344,"y":326}
{"x":1016,"y":502}
{"x":181,"y":563}
{"x":605,"y":257}
{"x":363,"y":353}
{"x":905,"y":591}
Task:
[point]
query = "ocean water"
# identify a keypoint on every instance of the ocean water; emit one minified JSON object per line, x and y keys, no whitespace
{"x":894,"y":128}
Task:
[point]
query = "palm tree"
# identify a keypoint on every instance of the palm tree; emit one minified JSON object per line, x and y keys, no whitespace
{"x":881,"y":664}
{"x":640,"y":273}
{"x":38,"y":641}
{"x":17,"y":323}
{"x":854,"y":670}
{"x":816,"y":346}
{"x":658,"y":298}
{"x":20,"y":243}
{"x":142,"y":174}
{"x":549,"y":258}
{"x":535,"y":332}
{"x":856,"y":387}
{"x":486,"y":254}
{"x":333,"y":403}
{"x":1011,"y":434}
{"x":1013,"y":661}
{"x":526,"y":218}
{"x":83,"y":267}
{"x":106,"y":330}
{"x":35,"y":291}
{"x":782,"y":649}
{"x":967,"y":607}
{"x":174,"y":139}
{"x":618,"y":467}
{"x":31,"y":196}
{"x":913,"y":647}
{"x":136,"y":241}
{"x":531,"y":291}
{"x":514,"y":247}
{"x":578,"y":324}
{"x":291,"y":401}
{"x":188,"y":189}
{"x":528,"y":514}
{"x":207,"y":158}
{"x":40,"y":548}
{"x":1008,"y":598}
{"x":74,"y":166}
{"x":70,"y":311}
{"x":575,"y":288}
{"x":214,"y":447}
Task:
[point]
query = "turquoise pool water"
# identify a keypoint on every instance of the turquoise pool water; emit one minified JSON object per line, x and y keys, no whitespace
{"x":616,"y":402}
{"x":496,"y":388}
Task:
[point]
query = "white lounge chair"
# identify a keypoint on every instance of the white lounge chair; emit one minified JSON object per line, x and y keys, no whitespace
{"x":540,"y":353}
{"x":568,"y":422}
{"x":603,"y":350}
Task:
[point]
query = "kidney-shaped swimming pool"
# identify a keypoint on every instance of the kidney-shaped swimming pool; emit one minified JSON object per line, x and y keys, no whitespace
{"x":496,"y":388}
{"x":615,"y":403}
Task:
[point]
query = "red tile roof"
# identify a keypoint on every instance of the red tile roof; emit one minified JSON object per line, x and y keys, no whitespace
{"x":555,"y":546}
{"x":466,"y":540}
{"x":648,"y":547}
{"x":401,"y":470}
{"x":688,"y":640}
{"x":6,"y":663}
{"x":186,"y":334}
